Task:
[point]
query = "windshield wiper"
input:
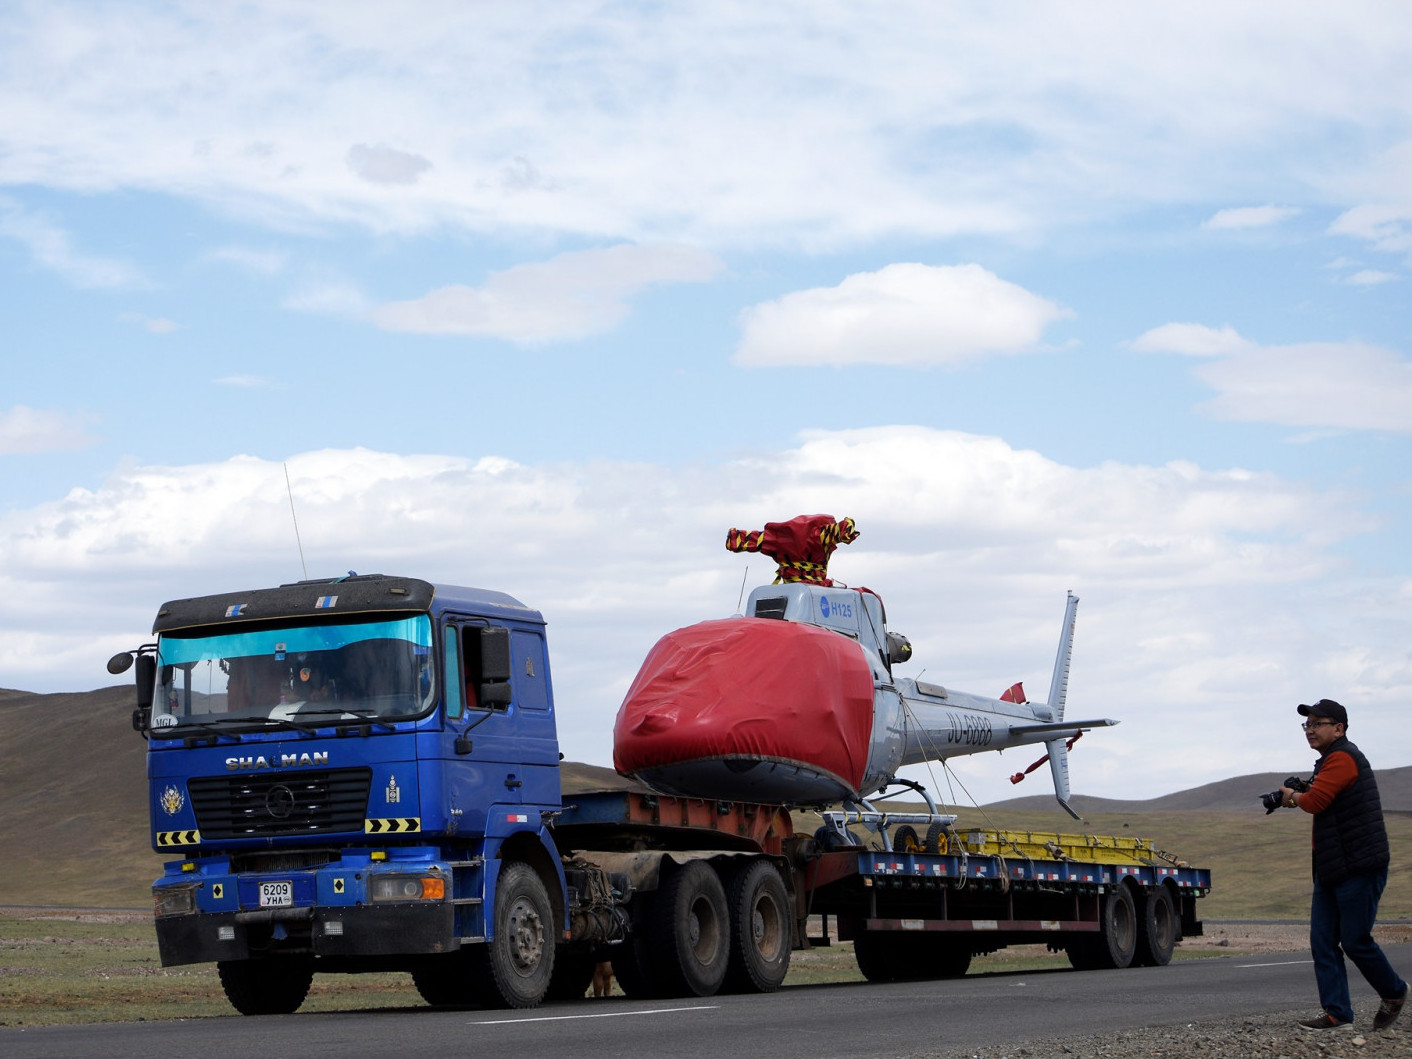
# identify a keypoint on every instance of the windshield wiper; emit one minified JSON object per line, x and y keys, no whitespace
{"x":363,"y":716}
{"x":185,"y":729}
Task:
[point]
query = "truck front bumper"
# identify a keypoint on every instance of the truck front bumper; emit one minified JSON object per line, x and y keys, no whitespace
{"x":424,"y":928}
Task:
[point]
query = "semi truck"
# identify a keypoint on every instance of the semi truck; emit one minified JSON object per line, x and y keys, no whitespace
{"x":363,"y":774}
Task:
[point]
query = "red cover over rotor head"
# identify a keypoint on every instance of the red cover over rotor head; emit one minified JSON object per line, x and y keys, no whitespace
{"x":801,"y":546}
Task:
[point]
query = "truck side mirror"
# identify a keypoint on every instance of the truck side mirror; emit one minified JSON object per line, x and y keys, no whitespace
{"x":495,"y":691}
{"x":146,"y":676}
{"x":494,"y":654}
{"x":146,"y":680}
{"x":493,"y":696}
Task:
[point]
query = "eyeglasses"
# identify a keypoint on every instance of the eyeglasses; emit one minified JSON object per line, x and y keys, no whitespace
{"x":1316,"y":724}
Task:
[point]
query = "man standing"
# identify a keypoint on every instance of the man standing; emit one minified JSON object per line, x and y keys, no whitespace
{"x":1350,"y":870}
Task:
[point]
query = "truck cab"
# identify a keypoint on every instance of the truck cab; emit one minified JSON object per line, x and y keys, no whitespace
{"x":343,"y":769}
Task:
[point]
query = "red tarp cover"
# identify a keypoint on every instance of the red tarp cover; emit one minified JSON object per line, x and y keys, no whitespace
{"x":749,"y":687}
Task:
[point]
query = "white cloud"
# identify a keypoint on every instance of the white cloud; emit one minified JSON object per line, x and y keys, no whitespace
{"x":903,"y":314}
{"x":1387,"y":227}
{"x":1346,"y":385}
{"x":1370,"y":277}
{"x":690,"y":124}
{"x":386,"y":165}
{"x":1250,"y":217}
{"x":157,"y":325}
{"x":1208,"y":594}
{"x":29,"y":430}
{"x":329,"y":297}
{"x":1193,"y":340}
{"x":570,"y":296}
{"x":52,"y":247}
{"x":262,"y":262}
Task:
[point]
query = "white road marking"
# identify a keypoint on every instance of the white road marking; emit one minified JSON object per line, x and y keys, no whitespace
{"x":1286,"y":963}
{"x":604,"y":1015}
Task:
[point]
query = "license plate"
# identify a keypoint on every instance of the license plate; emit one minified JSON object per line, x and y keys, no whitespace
{"x":276,"y":894}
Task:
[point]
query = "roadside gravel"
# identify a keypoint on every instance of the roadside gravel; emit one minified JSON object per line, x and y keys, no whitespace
{"x":1243,"y":1037}
{"x":1266,"y":1036}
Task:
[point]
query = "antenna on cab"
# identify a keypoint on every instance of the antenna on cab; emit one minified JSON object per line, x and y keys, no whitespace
{"x":290,"y":490}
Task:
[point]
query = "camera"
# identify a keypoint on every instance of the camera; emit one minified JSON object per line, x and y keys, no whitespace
{"x":1275,"y":799}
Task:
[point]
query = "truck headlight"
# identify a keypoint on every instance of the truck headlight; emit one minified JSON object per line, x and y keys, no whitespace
{"x":173,"y":900}
{"x":389,"y":887}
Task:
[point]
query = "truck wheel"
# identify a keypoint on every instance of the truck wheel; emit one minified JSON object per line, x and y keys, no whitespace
{"x":1157,"y":934}
{"x":1116,"y":940}
{"x":515,"y":968}
{"x":690,"y":942}
{"x":266,"y":987}
{"x":573,"y":974}
{"x":446,"y":981}
{"x":632,"y":969}
{"x":761,"y":926}
{"x":632,"y":962}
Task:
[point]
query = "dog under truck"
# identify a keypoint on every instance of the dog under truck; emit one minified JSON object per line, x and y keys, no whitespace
{"x":362,"y":774}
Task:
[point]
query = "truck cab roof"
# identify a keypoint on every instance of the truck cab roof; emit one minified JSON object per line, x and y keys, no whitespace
{"x":350,"y":594}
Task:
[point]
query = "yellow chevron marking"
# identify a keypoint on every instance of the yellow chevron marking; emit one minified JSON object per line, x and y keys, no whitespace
{"x":167,"y":839}
{"x":399,"y":825}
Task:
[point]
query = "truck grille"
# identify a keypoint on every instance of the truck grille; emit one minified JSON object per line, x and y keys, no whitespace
{"x":303,"y":803}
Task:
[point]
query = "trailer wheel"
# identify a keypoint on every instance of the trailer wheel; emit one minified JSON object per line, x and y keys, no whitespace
{"x":266,"y":987}
{"x":761,"y":929}
{"x":1116,"y":941}
{"x":1157,"y":934}
{"x":890,"y":956}
{"x":515,"y":968}
{"x":690,"y":942}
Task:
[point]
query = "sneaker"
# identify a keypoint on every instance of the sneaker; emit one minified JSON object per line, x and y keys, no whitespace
{"x":1327,"y":1022}
{"x":1388,"y":1011}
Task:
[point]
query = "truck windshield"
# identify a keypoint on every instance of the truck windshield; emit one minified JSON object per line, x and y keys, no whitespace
{"x":295,"y":676}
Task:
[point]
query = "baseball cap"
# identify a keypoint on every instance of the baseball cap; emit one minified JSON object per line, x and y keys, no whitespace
{"x":1326,"y":708}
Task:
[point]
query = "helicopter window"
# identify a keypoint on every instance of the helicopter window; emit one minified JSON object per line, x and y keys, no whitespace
{"x":773,"y":607}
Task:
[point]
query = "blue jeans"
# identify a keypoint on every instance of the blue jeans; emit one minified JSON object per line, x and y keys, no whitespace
{"x":1342,"y":917}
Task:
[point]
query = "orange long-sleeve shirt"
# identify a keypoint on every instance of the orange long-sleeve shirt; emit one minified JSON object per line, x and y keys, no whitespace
{"x":1335,"y":774}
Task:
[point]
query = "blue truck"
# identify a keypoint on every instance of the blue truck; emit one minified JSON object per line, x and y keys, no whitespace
{"x":363,"y":774}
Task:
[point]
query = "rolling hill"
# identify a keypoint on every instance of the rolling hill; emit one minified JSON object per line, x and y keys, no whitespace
{"x":74,"y":831}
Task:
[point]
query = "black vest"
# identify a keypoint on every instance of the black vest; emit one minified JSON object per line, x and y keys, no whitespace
{"x":1349,"y":836}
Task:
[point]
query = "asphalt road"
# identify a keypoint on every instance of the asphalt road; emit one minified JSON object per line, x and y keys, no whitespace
{"x":807,"y":1022}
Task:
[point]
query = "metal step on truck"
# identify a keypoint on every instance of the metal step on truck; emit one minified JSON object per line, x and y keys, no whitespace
{"x":362,"y":774}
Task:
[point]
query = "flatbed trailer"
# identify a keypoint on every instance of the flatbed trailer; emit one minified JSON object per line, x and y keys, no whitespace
{"x":1105,"y":902}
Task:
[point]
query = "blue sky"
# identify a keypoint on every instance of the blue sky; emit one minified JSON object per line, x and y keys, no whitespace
{"x":546,"y":297}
